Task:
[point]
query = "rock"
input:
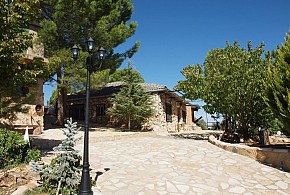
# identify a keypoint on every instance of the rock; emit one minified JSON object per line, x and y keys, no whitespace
{"x":31,"y":185}
{"x":7,"y":180}
{"x":40,"y":162}
{"x":17,"y":178}
{"x":20,"y":190}
{"x":279,"y":139}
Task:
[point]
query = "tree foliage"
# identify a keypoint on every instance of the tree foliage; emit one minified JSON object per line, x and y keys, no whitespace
{"x":11,"y":149}
{"x":15,"y":39}
{"x":278,"y":84}
{"x":132,"y":104}
{"x":122,"y":74}
{"x":14,"y":149}
{"x":230,"y":83}
{"x":53,"y":98}
{"x":72,"y":22}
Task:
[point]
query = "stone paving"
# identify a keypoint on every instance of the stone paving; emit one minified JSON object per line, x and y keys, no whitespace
{"x":151,"y":164}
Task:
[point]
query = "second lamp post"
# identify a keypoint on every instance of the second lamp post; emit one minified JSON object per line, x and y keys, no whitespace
{"x":85,"y":186}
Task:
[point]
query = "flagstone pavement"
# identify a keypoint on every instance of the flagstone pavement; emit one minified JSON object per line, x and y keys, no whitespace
{"x":152,"y":164}
{"x":130,"y":163}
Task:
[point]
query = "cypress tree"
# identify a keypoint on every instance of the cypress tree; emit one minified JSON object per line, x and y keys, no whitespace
{"x":278,"y":84}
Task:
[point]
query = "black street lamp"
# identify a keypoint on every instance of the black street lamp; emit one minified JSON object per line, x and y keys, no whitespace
{"x":85,"y":186}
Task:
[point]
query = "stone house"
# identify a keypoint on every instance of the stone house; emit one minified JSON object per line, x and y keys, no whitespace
{"x":33,"y":119}
{"x":172,"y":113}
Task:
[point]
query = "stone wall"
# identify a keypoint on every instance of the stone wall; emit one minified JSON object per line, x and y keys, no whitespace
{"x":37,"y":50}
{"x":279,"y":158}
{"x":158,"y":121}
{"x":33,"y":118}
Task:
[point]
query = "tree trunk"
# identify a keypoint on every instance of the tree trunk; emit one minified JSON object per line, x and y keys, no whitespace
{"x":227,"y":124}
{"x":129,"y":123}
{"x":60,"y":100}
{"x":58,"y":187}
{"x":245,"y":127}
{"x":245,"y":132}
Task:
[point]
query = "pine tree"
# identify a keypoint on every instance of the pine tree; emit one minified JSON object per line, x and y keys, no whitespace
{"x":121,"y":75}
{"x":63,"y":173}
{"x":70,"y":22}
{"x":278,"y":84}
{"x":132,"y":104}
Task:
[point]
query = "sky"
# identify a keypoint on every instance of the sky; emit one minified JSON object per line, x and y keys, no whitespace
{"x":177,"y":33}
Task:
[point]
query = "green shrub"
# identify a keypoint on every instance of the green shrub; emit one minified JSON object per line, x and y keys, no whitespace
{"x":203,"y":124}
{"x":12,"y":147}
{"x":35,"y":191}
{"x":14,"y":150}
{"x":274,"y":126}
{"x":33,"y":154}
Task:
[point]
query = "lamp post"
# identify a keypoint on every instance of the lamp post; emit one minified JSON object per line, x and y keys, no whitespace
{"x":85,"y":186}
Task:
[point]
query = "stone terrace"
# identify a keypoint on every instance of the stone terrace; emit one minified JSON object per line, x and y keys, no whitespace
{"x":145,"y":163}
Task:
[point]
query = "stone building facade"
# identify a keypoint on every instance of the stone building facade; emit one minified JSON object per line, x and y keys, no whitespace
{"x":172,"y":113}
{"x":33,"y":119}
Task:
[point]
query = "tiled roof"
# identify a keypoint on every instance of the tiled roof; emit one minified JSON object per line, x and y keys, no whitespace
{"x":114,"y":84}
{"x":151,"y":87}
{"x":106,"y":91}
{"x":114,"y":87}
{"x":147,"y":86}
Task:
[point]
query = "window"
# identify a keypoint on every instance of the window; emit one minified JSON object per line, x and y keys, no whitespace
{"x":77,"y":112}
{"x":184,"y":116}
{"x":101,"y":110}
{"x":22,"y":91}
{"x":168,"y":111}
{"x":178,"y":114}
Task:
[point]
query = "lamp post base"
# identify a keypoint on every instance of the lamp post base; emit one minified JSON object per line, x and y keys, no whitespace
{"x":85,"y":186}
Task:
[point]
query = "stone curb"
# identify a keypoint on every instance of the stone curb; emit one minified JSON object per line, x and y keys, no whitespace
{"x":48,"y":144}
{"x":279,"y":158}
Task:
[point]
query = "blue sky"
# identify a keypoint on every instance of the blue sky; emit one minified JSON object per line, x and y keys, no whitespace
{"x":177,"y":33}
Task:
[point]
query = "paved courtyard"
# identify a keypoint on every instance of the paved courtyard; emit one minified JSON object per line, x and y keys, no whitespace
{"x":153,"y":165}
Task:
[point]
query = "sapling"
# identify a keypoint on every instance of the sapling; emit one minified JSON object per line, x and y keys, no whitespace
{"x":62,"y":175}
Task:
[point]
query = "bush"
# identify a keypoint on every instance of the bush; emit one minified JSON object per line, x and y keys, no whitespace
{"x":202,"y":124}
{"x":14,"y":150}
{"x":35,"y":191}
{"x":12,"y":146}
{"x":33,"y":154}
{"x":275,"y":126}
{"x":230,"y":137}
